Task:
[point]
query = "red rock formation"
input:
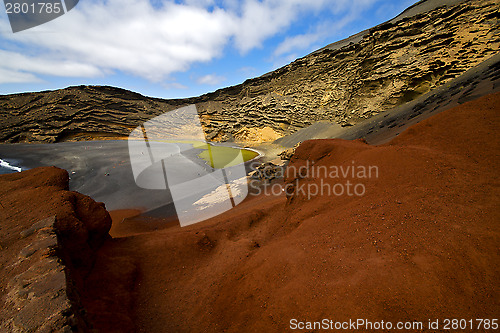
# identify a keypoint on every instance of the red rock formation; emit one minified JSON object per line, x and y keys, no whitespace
{"x":420,"y":244}
{"x":81,"y":225}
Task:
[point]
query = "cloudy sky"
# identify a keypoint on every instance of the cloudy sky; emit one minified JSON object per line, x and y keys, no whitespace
{"x":180,"y":48}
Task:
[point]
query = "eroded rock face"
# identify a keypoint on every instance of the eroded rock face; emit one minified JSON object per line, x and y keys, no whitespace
{"x":384,"y":67}
{"x":392,"y":64}
{"x":287,"y":154}
{"x":49,"y":238}
{"x":36,"y":299}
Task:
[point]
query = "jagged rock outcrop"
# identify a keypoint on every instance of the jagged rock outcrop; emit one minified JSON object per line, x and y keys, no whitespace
{"x":375,"y":70}
{"x":36,"y":298}
{"x":49,"y":241}
{"x":268,"y":171}
{"x":287,"y":154}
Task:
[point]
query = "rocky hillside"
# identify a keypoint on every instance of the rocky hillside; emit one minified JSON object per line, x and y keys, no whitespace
{"x":50,"y":240}
{"x":346,"y":82}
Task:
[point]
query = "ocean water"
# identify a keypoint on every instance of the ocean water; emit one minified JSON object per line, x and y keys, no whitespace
{"x":6,"y":167}
{"x":103,"y":170}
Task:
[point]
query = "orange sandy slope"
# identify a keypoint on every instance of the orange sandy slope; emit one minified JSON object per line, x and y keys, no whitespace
{"x":421,"y":243}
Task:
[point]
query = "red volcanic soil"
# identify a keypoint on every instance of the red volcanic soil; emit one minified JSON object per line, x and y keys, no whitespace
{"x":81,"y":226}
{"x":421,"y":243}
{"x":27,"y":197}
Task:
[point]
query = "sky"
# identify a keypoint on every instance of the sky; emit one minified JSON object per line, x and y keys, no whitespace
{"x":176,"y":48}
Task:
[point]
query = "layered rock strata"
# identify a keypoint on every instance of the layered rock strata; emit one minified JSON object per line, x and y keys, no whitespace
{"x":346,"y":82}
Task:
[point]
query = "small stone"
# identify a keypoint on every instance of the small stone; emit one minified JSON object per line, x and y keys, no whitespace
{"x":45,"y":223}
{"x":46,"y":243}
{"x":27,"y":251}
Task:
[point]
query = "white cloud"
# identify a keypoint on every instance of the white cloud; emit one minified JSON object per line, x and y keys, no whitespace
{"x":152,"y":41}
{"x":200,"y":3}
{"x":248,"y":70}
{"x":130,"y":36}
{"x":210,"y":79}
{"x":43,"y":65}
{"x":174,"y":85}
{"x":299,"y":42}
{"x":327,"y":31}
{"x":261,"y":20}
{"x":10,"y":76}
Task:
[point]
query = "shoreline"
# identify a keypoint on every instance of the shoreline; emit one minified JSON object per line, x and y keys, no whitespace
{"x":4,"y":164}
{"x":101,"y":169}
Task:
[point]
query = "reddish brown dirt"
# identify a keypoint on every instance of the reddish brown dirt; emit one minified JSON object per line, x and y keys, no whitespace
{"x":35,"y":194}
{"x":422,"y":243}
{"x":81,"y":224}
{"x":129,"y":222}
{"x":119,"y":218}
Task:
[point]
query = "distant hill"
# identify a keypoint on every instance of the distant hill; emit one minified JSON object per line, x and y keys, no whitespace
{"x":346,"y":82}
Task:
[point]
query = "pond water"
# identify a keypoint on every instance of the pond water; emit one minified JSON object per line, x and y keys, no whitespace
{"x":102,"y":169}
{"x":220,"y":156}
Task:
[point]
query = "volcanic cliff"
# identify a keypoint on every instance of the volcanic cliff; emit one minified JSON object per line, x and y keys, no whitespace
{"x":346,"y":82}
{"x":420,"y":244}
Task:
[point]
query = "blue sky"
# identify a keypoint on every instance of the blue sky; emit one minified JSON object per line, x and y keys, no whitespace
{"x":176,"y":49}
